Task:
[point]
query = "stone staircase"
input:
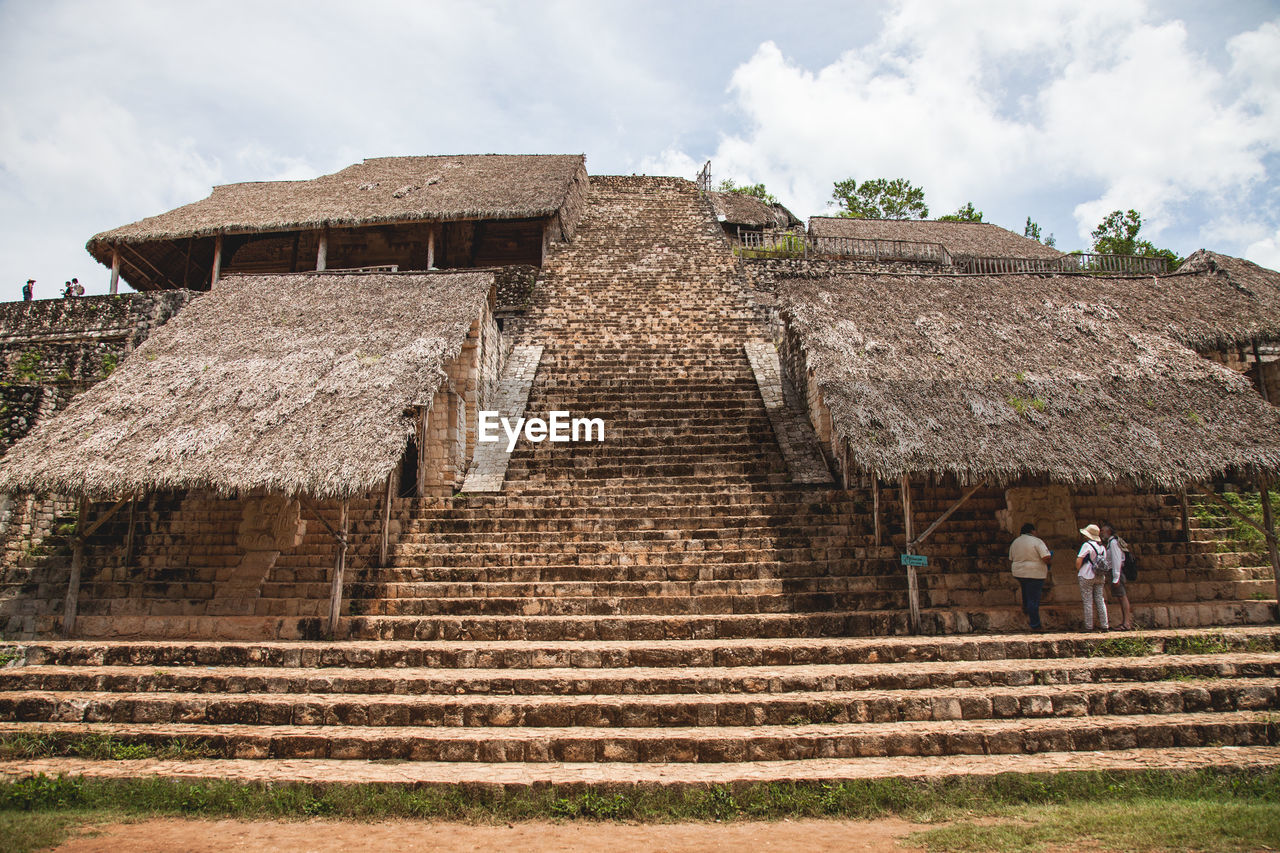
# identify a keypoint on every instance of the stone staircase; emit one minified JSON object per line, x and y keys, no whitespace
{"x":685,"y":522}
{"x":631,"y":712}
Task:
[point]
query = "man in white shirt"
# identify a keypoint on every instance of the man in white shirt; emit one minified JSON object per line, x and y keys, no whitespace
{"x":1115,"y":558}
{"x":1030,"y":558}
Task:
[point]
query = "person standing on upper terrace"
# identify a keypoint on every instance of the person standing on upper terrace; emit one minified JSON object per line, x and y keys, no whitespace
{"x":1116,"y":548}
{"x":1091,"y":571}
{"x":1030,"y":558}
{"x":28,"y":290}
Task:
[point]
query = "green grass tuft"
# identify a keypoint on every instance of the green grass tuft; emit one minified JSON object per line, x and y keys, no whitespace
{"x":1123,"y":647}
{"x":1197,"y":644}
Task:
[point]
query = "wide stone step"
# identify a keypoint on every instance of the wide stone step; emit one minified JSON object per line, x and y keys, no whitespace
{"x":625,"y":589}
{"x":647,"y":711}
{"x":771,"y":570}
{"x":587,"y":655}
{"x":687,"y":744}
{"x":461,"y":679}
{"x":588,"y":529}
{"x":679,"y":552}
{"x":733,"y":503}
{"x":571,"y":776}
{"x":530,"y":537}
{"x":625,"y":627}
{"x":1069,"y":617}
{"x":635,"y":605}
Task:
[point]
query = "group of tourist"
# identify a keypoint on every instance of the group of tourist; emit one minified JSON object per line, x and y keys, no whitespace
{"x":1100,"y":564}
{"x":69,"y":289}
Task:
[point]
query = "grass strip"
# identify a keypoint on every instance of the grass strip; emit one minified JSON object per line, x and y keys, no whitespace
{"x":1239,"y":807}
{"x":1147,"y":824}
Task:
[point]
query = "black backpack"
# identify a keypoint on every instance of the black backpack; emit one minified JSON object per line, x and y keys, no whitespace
{"x":1130,"y":565}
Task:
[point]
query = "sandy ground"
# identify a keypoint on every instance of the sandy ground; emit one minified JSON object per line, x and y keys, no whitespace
{"x":195,"y":836}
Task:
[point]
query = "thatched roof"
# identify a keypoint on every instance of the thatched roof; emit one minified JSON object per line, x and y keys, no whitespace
{"x":1006,"y":376}
{"x":381,"y":189}
{"x":1236,"y":300}
{"x":962,"y":239}
{"x":289,"y":383}
{"x":742,"y":209}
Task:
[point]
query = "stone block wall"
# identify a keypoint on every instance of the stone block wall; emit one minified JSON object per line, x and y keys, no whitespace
{"x":565,"y":223}
{"x":50,"y":351}
{"x":448,"y":438}
{"x":1240,"y":359}
{"x":172,"y":565}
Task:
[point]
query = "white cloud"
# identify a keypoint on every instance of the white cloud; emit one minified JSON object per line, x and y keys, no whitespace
{"x":112,"y":111}
{"x":1265,"y":252}
{"x":671,"y":162}
{"x":1096,"y":106}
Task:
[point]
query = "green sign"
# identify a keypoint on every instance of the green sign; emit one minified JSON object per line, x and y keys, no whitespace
{"x":915,"y":560}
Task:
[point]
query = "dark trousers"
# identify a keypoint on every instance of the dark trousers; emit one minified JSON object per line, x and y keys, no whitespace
{"x":1031,"y":589}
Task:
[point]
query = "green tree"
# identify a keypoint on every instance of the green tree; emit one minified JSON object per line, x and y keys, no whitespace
{"x":728,"y":185}
{"x":963,"y":214}
{"x":879,"y":199}
{"x":1117,"y":234}
{"x":1032,"y":231}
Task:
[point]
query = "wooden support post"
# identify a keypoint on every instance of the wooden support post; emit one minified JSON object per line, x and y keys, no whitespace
{"x":875,"y":507}
{"x":133,"y":522}
{"x":422,"y":450}
{"x":913,"y":582}
{"x":217,"y":261}
{"x":1186,"y":515}
{"x":186,"y":265}
{"x":339,"y":566}
{"x":77,"y":565}
{"x":386,"y":523}
{"x":431,"y":246}
{"x":1262,"y":382}
{"x":1269,"y":522}
{"x":115,"y":269}
{"x":322,"y":253}
{"x":919,"y":540}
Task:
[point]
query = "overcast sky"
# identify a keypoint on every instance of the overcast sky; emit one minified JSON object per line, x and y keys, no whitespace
{"x":112,"y":110}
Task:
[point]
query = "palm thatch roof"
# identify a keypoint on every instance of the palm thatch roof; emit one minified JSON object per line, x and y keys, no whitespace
{"x":290,"y":383}
{"x":381,"y":189}
{"x":1236,"y":300}
{"x":962,"y":239}
{"x":1006,"y":376}
{"x":741,"y":209}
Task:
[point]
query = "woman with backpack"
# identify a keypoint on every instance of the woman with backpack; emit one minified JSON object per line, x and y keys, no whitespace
{"x":1117,"y":551}
{"x":1092,"y":573}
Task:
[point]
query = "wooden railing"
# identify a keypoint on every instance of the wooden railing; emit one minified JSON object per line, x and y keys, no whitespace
{"x":881,"y":250}
{"x":787,"y":244}
{"x":1078,"y":262}
{"x":791,"y":245}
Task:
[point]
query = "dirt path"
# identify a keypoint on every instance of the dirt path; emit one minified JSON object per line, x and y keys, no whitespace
{"x":222,"y":836}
